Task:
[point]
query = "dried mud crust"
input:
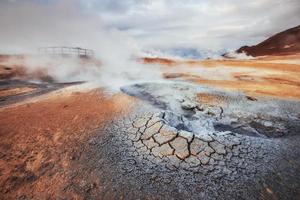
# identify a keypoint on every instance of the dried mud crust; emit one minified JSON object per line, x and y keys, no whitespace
{"x":143,"y":157}
{"x":179,"y":148}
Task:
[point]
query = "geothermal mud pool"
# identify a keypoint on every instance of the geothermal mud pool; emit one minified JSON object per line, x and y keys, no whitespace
{"x":173,"y":146}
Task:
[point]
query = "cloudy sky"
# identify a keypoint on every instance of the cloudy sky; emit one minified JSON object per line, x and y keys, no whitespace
{"x":204,"y":25}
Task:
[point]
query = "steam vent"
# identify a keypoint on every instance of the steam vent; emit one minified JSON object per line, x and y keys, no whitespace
{"x":159,"y":141}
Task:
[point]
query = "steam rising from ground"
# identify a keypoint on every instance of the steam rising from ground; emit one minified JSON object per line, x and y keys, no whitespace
{"x":111,"y":75}
{"x":240,"y":56}
{"x":27,"y":26}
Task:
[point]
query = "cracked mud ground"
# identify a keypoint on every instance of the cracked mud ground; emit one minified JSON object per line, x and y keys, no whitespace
{"x":167,"y":147}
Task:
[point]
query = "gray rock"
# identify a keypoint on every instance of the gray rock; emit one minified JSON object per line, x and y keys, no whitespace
{"x":188,"y":105}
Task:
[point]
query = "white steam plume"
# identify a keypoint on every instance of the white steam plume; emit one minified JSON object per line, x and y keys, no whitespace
{"x":27,"y":26}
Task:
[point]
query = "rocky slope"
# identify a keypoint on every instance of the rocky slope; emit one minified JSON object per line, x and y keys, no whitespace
{"x":286,"y":42}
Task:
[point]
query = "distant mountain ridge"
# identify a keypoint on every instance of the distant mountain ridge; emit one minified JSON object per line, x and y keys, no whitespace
{"x":283,"y":43}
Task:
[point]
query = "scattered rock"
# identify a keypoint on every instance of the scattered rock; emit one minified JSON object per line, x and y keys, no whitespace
{"x":188,"y":105}
{"x":251,"y":98}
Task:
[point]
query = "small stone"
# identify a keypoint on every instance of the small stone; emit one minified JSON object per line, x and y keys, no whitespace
{"x":181,"y":147}
{"x":165,"y":134}
{"x":187,"y":135}
{"x":251,"y":98}
{"x":188,"y":105}
{"x":193,"y":161}
{"x":149,"y":132}
{"x":197,"y":146}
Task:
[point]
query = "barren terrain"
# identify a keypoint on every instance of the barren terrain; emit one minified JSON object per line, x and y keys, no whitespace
{"x":40,"y":139}
{"x":270,"y":76}
{"x":213,"y":129}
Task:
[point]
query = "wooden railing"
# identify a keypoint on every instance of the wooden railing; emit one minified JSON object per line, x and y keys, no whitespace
{"x":67,"y":51}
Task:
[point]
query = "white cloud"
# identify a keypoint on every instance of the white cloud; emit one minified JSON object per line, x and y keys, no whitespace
{"x":213,"y":24}
{"x":200,"y":24}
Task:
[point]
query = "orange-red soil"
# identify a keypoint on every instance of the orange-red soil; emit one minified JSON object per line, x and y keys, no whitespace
{"x":254,"y":77}
{"x":38,"y":141}
{"x":211,"y":99}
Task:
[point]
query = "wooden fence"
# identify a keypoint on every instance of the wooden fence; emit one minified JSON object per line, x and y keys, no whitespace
{"x":67,"y":51}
